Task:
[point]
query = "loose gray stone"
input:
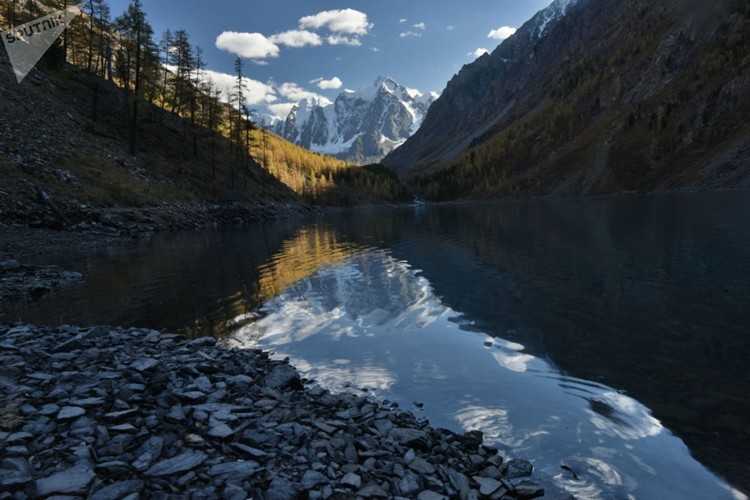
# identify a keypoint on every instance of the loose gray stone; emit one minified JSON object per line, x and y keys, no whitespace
{"x":351,"y":479}
{"x":421,"y":466}
{"x":73,"y":481}
{"x":518,"y":468}
{"x":203,"y":384}
{"x":70,"y":413}
{"x":238,"y":470}
{"x":311,"y":479}
{"x":49,"y":409}
{"x":408,"y":485}
{"x":233,"y":492}
{"x":123,"y":428}
{"x":487,"y":486}
{"x":282,"y":377}
{"x":176,"y":413}
{"x":88,"y":402}
{"x":281,"y":489}
{"x":13,"y":479}
{"x":18,"y":437}
{"x":249,"y":450}
{"x":153,"y":447}
{"x":191,"y":396}
{"x":527,"y":489}
{"x":221,"y":431}
{"x":144,"y":364}
{"x":113,"y":468}
{"x":458,"y":480}
{"x":372,"y":491}
{"x":431,"y":495}
{"x":118,"y":490}
{"x":412,"y":438}
{"x":181,"y":463}
{"x":117,"y":416}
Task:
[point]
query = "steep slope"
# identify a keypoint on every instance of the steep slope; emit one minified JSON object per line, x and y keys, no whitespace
{"x":360,"y":127}
{"x":595,"y":96}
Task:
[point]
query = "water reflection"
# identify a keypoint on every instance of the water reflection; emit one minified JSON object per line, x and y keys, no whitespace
{"x":372,"y":323}
{"x":525,"y":302}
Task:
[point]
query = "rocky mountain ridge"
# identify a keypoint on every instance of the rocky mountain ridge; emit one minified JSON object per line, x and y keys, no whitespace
{"x":359,"y":126}
{"x":595,"y":97}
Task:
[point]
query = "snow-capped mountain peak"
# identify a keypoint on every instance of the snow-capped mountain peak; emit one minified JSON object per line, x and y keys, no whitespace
{"x":550,"y":16}
{"x":360,"y":126}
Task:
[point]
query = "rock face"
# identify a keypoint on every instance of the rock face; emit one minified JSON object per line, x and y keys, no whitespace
{"x":361,"y":127}
{"x":595,"y":96}
{"x":110,"y":413}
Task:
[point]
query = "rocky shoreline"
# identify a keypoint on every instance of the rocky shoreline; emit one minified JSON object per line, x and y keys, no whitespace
{"x":107,"y":413}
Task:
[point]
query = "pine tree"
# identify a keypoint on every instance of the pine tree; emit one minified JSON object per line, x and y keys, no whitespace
{"x":136,"y":41}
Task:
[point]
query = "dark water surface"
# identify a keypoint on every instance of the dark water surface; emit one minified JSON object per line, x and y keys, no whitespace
{"x":609,"y":335}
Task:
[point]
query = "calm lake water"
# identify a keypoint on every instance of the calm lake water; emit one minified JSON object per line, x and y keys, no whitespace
{"x":609,"y":335}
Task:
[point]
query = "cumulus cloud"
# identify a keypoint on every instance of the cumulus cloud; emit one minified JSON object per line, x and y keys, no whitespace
{"x":349,"y":21}
{"x":450,"y":28}
{"x":407,"y":34}
{"x":295,"y":93}
{"x":501,"y":33}
{"x":256,"y":93}
{"x":401,"y":21}
{"x":297,"y":38}
{"x":419,"y":26}
{"x":280,"y":110}
{"x":374,"y":49}
{"x":248,"y":45}
{"x":478,"y":53}
{"x":332,"y":84}
{"x":344,"y":40}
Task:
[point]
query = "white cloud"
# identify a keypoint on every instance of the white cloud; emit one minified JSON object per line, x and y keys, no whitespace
{"x":332,"y":84}
{"x":280,"y":110}
{"x":344,"y":40}
{"x":374,"y":49}
{"x":450,"y":28}
{"x":407,"y":34}
{"x":401,"y":21}
{"x":420,"y":26}
{"x":478,"y":53}
{"x":297,"y":38}
{"x":248,"y":45}
{"x":295,"y":93}
{"x":414,"y":93}
{"x":501,"y":33}
{"x":349,"y":21}
{"x":255,"y":92}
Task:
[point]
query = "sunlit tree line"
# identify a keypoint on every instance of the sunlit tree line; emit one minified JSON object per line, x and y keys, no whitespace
{"x":168,"y":72}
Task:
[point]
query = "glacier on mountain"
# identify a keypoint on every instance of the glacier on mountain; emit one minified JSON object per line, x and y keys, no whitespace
{"x":359,"y":126}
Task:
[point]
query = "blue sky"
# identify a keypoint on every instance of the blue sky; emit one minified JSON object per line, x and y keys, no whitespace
{"x":302,"y":48}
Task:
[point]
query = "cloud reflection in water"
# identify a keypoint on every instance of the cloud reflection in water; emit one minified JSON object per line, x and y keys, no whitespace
{"x":372,"y":322}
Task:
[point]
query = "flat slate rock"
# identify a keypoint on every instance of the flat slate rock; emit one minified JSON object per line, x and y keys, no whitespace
{"x":236,"y":470}
{"x":120,"y":489}
{"x":73,"y":481}
{"x":281,"y":489}
{"x":144,"y":364}
{"x":181,"y":463}
{"x":70,"y":412}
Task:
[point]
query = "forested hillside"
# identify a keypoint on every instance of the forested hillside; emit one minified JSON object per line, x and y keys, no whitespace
{"x":612,"y":96}
{"x":115,"y":116}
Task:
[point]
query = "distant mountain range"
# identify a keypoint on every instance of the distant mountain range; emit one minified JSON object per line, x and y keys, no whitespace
{"x":359,"y":126}
{"x":594,"y":96}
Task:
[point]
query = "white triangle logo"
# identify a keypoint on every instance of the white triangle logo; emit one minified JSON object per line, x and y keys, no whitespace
{"x":27,"y":43}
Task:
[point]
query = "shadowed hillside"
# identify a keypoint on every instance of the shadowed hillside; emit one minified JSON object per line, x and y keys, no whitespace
{"x":612,"y":96}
